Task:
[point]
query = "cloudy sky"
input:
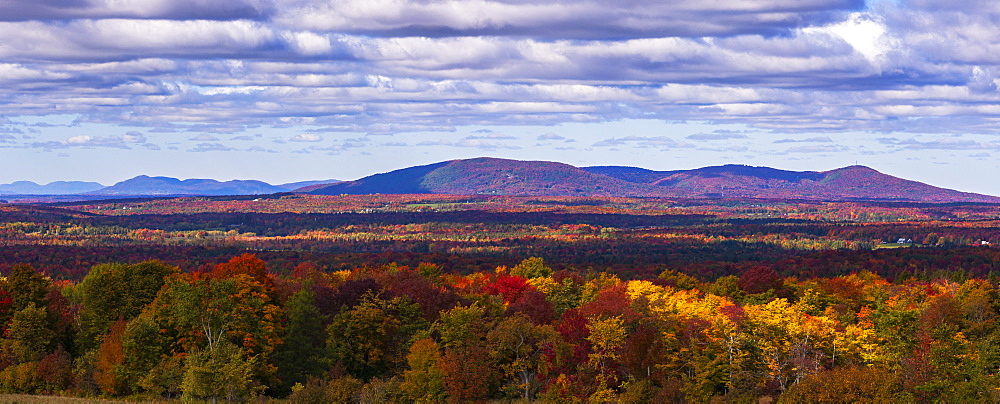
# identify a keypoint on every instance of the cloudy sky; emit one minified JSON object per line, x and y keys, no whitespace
{"x":103,"y":90}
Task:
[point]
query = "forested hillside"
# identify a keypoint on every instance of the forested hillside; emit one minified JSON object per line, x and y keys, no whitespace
{"x":494,"y":176}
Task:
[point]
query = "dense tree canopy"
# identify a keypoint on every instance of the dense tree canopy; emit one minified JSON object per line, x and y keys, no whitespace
{"x":236,"y":331}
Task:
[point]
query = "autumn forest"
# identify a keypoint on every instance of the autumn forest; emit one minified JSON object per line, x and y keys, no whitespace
{"x":448,"y":298}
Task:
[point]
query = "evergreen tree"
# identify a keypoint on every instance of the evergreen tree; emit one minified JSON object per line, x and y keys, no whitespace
{"x":302,"y":353}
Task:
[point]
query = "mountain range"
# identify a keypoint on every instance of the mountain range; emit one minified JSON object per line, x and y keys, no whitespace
{"x":493,"y":176}
{"x":52,"y":188}
{"x":144,"y":185}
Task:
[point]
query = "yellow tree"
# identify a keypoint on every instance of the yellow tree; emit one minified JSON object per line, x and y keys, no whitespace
{"x":606,"y":337}
{"x":793,"y":343}
{"x":423,"y":382}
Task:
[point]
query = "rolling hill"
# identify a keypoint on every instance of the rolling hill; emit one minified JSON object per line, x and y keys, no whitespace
{"x":740,"y":181}
{"x":493,"y":176}
{"x":490,"y":176}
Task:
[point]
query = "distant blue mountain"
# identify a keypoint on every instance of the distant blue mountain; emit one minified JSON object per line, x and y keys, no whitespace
{"x":52,"y":188}
{"x":146,"y":185}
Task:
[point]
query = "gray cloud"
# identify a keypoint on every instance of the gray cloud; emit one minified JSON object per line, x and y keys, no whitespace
{"x":819,"y":139}
{"x":491,"y":135}
{"x":817,"y":149}
{"x":952,"y":143}
{"x":661,"y":142}
{"x":470,"y":142}
{"x":397,"y":66}
{"x":562,"y":18}
{"x":717,"y":135}
{"x":20,"y":10}
{"x":204,"y":137}
{"x":209,"y":147}
{"x":725,"y":149}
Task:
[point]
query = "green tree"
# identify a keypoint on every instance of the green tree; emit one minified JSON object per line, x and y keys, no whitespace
{"x":112,"y":292}
{"x":220,"y":371}
{"x":462,"y":325}
{"x":164,"y":379}
{"x":30,"y":335}
{"x":26,"y":286}
{"x":366,"y":340}
{"x":533,"y":267}
{"x":302,"y":353}
{"x":679,"y":280}
{"x":144,"y":347}
{"x":727,"y":286}
{"x":208,"y":311}
{"x":199,"y":314}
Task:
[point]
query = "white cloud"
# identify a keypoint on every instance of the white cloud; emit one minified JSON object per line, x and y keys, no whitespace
{"x":306,"y":137}
{"x":308,"y":43}
{"x":121,"y":141}
{"x":864,"y":32}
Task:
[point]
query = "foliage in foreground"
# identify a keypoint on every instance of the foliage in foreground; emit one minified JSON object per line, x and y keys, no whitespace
{"x":416,"y":334}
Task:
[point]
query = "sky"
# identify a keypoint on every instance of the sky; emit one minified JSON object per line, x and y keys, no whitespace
{"x":291,"y":90}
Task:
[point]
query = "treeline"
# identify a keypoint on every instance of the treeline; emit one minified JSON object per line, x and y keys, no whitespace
{"x":282,"y":224}
{"x":396,"y":333}
{"x":626,"y":258}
